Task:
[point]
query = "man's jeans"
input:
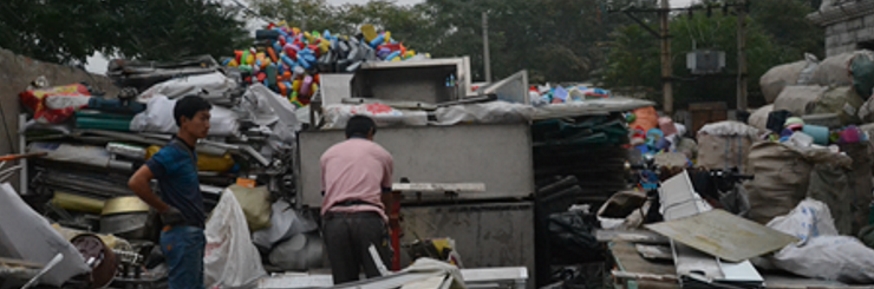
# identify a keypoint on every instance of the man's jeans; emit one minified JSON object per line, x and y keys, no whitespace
{"x":183,"y":250}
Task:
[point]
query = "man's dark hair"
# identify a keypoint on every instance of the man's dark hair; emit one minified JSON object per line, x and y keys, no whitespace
{"x":359,"y":126}
{"x":188,"y":107}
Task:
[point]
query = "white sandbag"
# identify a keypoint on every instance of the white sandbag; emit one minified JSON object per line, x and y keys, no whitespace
{"x":214,"y":87}
{"x":285,"y":222}
{"x":489,"y":112}
{"x":24,"y":234}
{"x":799,"y":99}
{"x":806,"y":75}
{"x":778,"y":77}
{"x":759,"y":118}
{"x":336,"y":115}
{"x":821,"y":252}
{"x":255,"y":203}
{"x":835,"y":70}
{"x":230,"y":259}
{"x":726,"y":145}
{"x":158,"y":117}
{"x":300,"y":253}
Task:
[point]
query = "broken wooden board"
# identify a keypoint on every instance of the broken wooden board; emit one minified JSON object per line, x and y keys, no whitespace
{"x":721,"y":234}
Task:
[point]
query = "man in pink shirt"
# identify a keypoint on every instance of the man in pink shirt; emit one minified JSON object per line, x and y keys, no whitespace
{"x":356,"y":181}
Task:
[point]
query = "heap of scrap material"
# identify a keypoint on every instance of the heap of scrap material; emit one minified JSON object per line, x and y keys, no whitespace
{"x":289,"y":60}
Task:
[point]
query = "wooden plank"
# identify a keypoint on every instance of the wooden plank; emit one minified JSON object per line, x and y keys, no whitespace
{"x":721,"y":234}
{"x":438,"y":187}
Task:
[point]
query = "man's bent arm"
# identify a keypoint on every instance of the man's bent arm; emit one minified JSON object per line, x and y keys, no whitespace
{"x":140,"y":184}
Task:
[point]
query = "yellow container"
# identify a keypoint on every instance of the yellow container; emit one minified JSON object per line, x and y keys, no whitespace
{"x":77,"y":203}
{"x":205,"y":163}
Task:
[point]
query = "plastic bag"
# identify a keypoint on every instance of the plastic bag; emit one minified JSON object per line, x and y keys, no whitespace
{"x":230,"y":259}
{"x":821,"y":253}
{"x":214,"y":87}
{"x":337,"y":115}
{"x":255,"y":203}
{"x":285,"y":222}
{"x":490,"y":112}
{"x":55,"y":104}
{"x":158,"y":117}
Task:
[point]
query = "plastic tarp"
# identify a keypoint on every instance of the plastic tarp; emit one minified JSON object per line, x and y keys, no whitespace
{"x":215,"y":87}
{"x":489,"y":112}
{"x":158,"y":118}
{"x":336,"y":115}
{"x":590,"y":107}
{"x":55,"y":104}
{"x":230,"y":259}
{"x":821,"y":253}
{"x":35,"y":240}
{"x":798,"y":99}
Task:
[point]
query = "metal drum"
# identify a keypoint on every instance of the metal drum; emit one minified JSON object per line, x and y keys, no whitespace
{"x":100,"y":258}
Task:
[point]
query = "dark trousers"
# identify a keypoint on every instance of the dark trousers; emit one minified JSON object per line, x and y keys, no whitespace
{"x":348,"y":237}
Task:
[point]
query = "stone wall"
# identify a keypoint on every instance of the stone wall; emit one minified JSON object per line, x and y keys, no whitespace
{"x":16,"y":73}
{"x":844,"y":36}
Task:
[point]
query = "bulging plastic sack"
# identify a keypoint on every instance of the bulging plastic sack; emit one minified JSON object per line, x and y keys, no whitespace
{"x":230,"y":260}
{"x":158,"y":118}
{"x":821,"y":252}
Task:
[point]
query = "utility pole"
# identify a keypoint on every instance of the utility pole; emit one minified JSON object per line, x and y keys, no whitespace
{"x":741,"y":56}
{"x":486,"y":58}
{"x":667,"y":69}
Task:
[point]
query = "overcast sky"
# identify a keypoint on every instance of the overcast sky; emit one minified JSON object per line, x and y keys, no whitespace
{"x":97,"y":62}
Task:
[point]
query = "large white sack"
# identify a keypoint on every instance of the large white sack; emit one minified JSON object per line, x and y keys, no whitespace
{"x":230,"y":259}
{"x":778,"y":77}
{"x":835,"y":70}
{"x":798,"y":99}
{"x":759,"y":118}
{"x":158,"y":117}
{"x":821,"y":252}
{"x":214,"y":87}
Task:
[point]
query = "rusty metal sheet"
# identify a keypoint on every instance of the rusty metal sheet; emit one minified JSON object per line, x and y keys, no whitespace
{"x":721,"y":234}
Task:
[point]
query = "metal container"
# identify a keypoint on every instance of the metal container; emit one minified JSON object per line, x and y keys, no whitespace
{"x":134,"y":226}
{"x":486,"y":234}
{"x":499,"y":156}
{"x":423,"y":80}
{"x":99,"y":257}
{"x":124,"y":205}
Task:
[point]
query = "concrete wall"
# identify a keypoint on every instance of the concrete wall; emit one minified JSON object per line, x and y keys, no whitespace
{"x":843,"y":36}
{"x":17,"y":72}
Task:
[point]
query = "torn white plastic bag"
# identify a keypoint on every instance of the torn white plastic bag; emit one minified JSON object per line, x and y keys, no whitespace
{"x":336,"y":115}
{"x":285,"y":222}
{"x":158,"y":118}
{"x":214,"y":87}
{"x":31,"y":238}
{"x":821,"y":253}
{"x":230,"y":259}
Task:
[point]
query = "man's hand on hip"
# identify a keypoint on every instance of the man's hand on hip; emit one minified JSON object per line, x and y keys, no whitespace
{"x":172,"y":217}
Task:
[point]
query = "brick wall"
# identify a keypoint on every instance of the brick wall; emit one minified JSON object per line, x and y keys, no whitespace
{"x":844,"y":36}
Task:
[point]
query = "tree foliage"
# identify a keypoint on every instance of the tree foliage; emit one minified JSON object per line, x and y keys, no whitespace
{"x":777,"y":32}
{"x":68,"y":31}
